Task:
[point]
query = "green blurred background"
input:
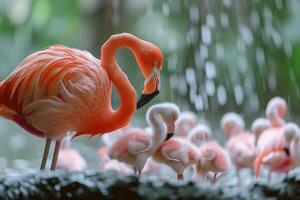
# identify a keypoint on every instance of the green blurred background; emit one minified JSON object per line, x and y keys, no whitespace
{"x":219,"y":56}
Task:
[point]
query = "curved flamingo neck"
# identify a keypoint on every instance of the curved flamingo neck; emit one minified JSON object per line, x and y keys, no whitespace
{"x":127,"y":94}
{"x":158,"y":129}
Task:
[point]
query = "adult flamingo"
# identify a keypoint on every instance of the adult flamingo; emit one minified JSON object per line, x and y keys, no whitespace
{"x":271,"y":144}
{"x":186,"y":121}
{"x":240,"y":143}
{"x":135,"y":147}
{"x":177,"y":153}
{"x":62,"y":89}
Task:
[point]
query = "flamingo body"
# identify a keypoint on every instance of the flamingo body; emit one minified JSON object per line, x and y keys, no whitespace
{"x":178,"y":154}
{"x":241,"y":149}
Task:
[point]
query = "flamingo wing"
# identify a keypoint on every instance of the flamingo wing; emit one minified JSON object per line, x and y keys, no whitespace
{"x":136,"y":147}
{"x":57,"y":90}
{"x":176,"y":155}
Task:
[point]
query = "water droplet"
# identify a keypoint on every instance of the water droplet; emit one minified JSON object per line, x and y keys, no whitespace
{"x":246,"y":34}
{"x":210,"y":70}
{"x":210,"y":87}
{"x":166,"y":9}
{"x":210,"y":20}
{"x":221,"y":95}
{"x":238,"y":94}
{"x":194,"y":13}
{"x":206,"y":34}
{"x":224,"y":19}
{"x":220,"y":50}
{"x":227,"y":3}
{"x":260,"y":56}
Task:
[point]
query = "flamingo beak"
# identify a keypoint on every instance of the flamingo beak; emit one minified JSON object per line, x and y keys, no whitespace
{"x":146,"y":98}
{"x":287,"y":150}
{"x":152,"y":81}
{"x":170,"y":131}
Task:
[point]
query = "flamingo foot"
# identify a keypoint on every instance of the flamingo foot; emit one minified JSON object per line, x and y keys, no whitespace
{"x":180,"y":177}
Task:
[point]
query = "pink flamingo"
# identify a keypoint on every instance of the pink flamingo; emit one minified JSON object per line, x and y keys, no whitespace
{"x":70,"y":159}
{"x":61,"y":89}
{"x":232,"y":124}
{"x":259,"y":126}
{"x":213,"y":159}
{"x":135,"y":147}
{"x":240,"y":143}
{"x":178,"y":154}
{"x":271,"y":143}
{"x":292,"y":136}
{"x":200,"y":134}
{"x":187,"y":120}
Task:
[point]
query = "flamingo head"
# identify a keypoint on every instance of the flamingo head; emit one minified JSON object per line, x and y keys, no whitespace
{"x":232,"y":123}
{"x":276,"y":111}
{"x":291,"y":132}
{"x":168,"y":112}
{"x":186,"y":121}
{"x":258,"y":126}
{"x":150,"y":60}
{"x":200,"y":134}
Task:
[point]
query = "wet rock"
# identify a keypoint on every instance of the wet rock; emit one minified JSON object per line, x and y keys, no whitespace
{"x":109,"y":185}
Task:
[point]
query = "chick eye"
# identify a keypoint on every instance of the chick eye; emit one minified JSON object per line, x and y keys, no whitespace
{"x":155,"y":63}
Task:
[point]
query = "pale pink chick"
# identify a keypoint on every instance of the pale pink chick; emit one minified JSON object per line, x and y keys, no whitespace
{"x":177,"y":153}
{"x":213,"y":159}
{"x":240,"y":143}
{"x":106,"y":164}
{"x":271,"y":143}
{"x":137,"y":145}
{"x":70,"y":159}
{"x":186,"y":121}
{"x":259,"y":126}
{"x":292,"y":147}
{"x":200,"y":134}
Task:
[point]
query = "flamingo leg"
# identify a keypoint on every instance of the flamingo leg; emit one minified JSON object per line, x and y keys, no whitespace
{"x":180,"y":177}
{"x":55,"y":155}
{"x":269,"y":175}
{"x":215,"y":176}
{"x":135,"y":170}
{"x":45,"y":154}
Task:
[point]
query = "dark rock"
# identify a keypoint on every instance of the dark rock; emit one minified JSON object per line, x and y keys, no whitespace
{"x":109,"y":185}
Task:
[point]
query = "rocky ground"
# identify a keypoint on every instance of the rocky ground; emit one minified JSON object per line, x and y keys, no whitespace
{"x":92,"y":185}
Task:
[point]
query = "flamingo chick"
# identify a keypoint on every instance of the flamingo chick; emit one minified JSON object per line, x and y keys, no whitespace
{"x":138,"y":145}
{"x":178,"y":154}
{"x":62,"y":89}
{"x":213,"y":158}
{"x":259,"y":126}
{"x":200,"y":134}
{"x":106,"y":164}
{"x":69,"y":158}
{"x":292,"y":136}
{"x":240,"y":143}
{"x":271,"y":143}
{"x":186,"y":121}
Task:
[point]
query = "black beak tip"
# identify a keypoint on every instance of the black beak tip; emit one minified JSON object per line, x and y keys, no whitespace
{"x":287,"y":151}
{"x":169,"y":135}
{"x":146,"y":98}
